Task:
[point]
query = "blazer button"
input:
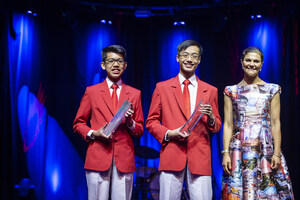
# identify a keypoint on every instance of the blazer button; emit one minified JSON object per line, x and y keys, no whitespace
{"x":116,"y":140}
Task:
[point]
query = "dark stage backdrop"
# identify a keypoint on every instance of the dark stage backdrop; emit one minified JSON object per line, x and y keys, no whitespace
{"x":47,"y":61}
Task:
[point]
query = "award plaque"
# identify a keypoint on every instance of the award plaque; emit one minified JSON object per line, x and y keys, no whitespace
{"x":193,"y":120}
{"x":116,"y":120}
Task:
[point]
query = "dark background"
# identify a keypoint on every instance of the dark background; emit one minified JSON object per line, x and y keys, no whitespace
{"x":59,"y":56}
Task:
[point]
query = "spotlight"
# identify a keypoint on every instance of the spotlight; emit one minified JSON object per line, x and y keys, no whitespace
{"x":29,"y":12}
{"x":105,"y":21}
{"x":254,"y":17}
{"x":179,"y":23}
{"x":34,"y":14}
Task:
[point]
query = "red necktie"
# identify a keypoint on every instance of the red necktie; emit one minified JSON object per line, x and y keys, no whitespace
{"x":186,"y":97}
{"x":114,"y":96}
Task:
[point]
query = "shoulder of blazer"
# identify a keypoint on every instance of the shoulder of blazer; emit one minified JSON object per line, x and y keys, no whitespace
{"x":98,"y":87}
{"x":203,"y":84}
{"x":172,"y":82}
{"x":130,"y":89}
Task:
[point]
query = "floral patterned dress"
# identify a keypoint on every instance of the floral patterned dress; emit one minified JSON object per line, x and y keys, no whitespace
{"x":251,"y":147}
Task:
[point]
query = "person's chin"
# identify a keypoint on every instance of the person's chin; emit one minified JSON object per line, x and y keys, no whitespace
{"x":189,"y":70}
{"x":251,"y":72}
{"x":115,"y":76}
{"x":251,"y":75}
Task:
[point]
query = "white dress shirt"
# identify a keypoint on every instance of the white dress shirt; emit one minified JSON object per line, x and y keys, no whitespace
{"x":109,"y":84}
{"x":193,"y":87}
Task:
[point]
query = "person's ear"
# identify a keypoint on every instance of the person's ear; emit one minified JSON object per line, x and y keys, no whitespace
{"x":242,"y":63}
{"x":199,"y":60}
{"x":177,"y":58}
{"x":103,"y":65}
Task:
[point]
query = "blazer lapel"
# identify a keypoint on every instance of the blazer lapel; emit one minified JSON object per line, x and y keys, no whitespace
{"x":124,"y":95}
{"x":201,"y":92}
{"x":175,"y":85}
{"x":105,"y":94}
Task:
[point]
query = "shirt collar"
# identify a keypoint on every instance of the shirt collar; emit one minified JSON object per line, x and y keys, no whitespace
{"x":109,"y":83}
{"x":192,"y":79}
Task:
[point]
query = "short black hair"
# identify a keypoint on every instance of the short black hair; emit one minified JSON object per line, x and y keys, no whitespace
{"x":187,"y":43}
{"x":115,"y":49}
{"x":252,"y":50}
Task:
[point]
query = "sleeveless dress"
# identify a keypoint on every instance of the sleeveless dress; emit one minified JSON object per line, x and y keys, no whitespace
{"x":251,"y":147}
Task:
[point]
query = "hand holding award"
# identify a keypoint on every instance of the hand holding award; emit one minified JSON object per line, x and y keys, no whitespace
{"x":193,"y":120}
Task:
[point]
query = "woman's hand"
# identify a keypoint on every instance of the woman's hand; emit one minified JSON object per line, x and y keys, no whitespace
{"x":226,"y":163}
{"x":275,"y":162}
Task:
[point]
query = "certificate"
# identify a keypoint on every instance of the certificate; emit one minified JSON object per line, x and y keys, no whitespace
{"x":116,"y":120}
{"x":193,"y":120}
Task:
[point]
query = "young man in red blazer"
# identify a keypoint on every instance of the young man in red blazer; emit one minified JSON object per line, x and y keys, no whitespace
{"x":184,"y":156}
{"x":110,"y":159}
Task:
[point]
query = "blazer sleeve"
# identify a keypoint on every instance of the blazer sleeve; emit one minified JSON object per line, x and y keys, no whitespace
{"x":215,"y":109}
{"x":138,"y":117}
{"x":83,"y":115}
{"x":153,"y":122}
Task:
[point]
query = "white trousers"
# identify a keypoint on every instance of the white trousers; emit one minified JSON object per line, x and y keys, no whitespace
{"x":99,"y":184}
{"x":171,"y":183}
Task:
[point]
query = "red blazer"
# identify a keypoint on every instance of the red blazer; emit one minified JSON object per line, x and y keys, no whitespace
{"x":167,"y":112}
{"x":96,"y":106}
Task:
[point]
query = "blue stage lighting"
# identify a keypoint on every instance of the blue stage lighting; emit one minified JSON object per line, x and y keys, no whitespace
{"x":29,"y":12}
{"x":34,"y":14}
{"x":109,"y":22}
{"x":103,"y":21}
{"x":179,"y":23}
{"x":254,"y":17}
{"x":143,"y":13}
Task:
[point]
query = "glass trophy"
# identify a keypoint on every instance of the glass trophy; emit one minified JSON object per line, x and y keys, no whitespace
{"x":116,"y":120}
{"x":193,"y":120}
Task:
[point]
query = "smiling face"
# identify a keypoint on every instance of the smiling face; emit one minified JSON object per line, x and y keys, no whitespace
{"x":114,"y":65}
{"x":189,"y":60}
{"x":251,"y":64}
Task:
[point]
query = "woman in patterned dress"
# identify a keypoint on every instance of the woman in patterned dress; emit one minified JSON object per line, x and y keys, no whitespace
{"x":254,"y":166}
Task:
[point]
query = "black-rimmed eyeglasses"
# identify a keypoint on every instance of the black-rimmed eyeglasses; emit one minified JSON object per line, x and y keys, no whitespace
{"x":111,"y":61}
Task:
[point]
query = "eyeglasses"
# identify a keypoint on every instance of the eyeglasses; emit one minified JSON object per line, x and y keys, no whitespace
{"x":185,"y":56}
{"x":111,"y":61}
